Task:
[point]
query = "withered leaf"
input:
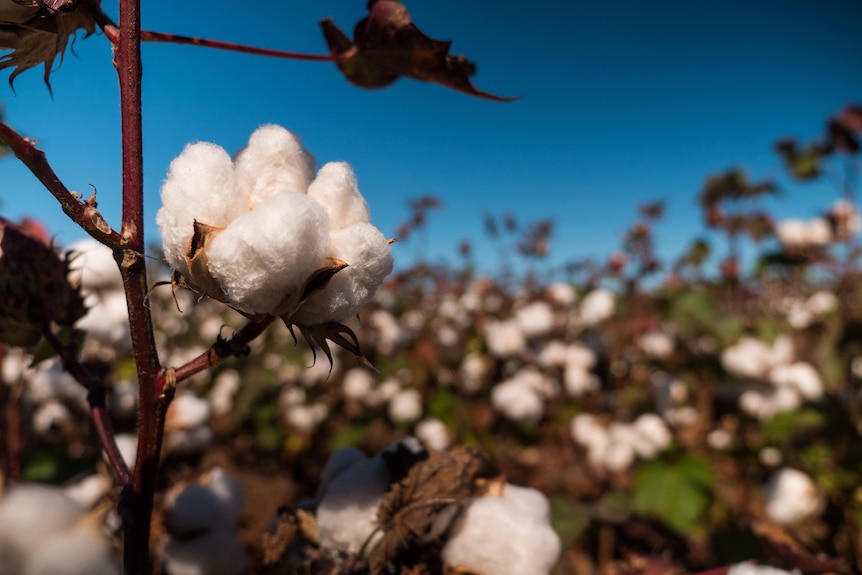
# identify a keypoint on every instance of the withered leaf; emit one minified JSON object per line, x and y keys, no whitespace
{"x":409,"y":510}
{"x":387,"y":45}
{"x":36,"y":32}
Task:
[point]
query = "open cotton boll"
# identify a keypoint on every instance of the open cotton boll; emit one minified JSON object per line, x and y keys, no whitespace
{"x":93,"y":263}
{"x":29,"y":514}
{"x":347,"y":511}
{"x":406,"y":406}
{"x":801,"y":376}
{"x":274,"y":161}
{"x":434,"y":434}
{"x":651,"y":435}
{"x":506,"y":535}
{"x":207,"y":504}
{"x":186,"y":411}
{"x":751,"y":569}
{"x":792,"y":497}
{"x":504,"y":338}
{"x":107,"y":319}
{"x":597,"y":306}
{"x":217,"y":552}
{"x":369,"y":258}
{"x":336,"y":190}
{"x":269,"y":252}
{"x":517,"y":400}
{"x":578,"y":381}
{"x":80,"y":551}
{"x":535,"y":319}
{"x":200,"y":186}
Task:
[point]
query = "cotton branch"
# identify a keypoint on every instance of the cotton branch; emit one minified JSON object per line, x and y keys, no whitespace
{"x":146,"y":36}
{"x":84,"y":213}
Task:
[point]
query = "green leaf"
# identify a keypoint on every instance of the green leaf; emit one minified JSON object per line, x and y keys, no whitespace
{"x":678,"y":492}
{"x":569,"y":519}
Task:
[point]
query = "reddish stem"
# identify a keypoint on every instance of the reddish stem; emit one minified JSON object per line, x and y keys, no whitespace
{"x":237,"y":345}
{"x":136,"y":505}
{"x":146,"y":36}
{"x":82,"y":213}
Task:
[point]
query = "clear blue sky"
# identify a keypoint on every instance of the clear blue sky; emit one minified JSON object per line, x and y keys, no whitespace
{"x":622,"y":102}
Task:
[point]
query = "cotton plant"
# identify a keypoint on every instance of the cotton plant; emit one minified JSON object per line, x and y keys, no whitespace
{"x":266,"y":235}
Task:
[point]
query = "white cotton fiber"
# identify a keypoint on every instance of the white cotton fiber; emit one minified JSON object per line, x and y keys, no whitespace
{"x":369,"y":257}
{"x":94,"y":264}
{"x":518,"y":401}
{"x":200,"y":186}
{"x":506,"y":535}
{"x":269,"y":252}
{"x":80,"y":551}
{"x":274,"y":162}
{"x":335,"y":189}
{"x":217,"y":552}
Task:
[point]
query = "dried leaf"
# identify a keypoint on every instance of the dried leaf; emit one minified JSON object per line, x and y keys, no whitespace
{"x":337,"y":333}
{"x":387,"y":45}
{"x":410,"y":510}
{"x":36,"y":32}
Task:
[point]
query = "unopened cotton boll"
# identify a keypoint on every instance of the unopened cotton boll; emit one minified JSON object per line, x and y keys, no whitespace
{"x":506,"y":535}
{"x":406,"y":406}
{"x":347,"y":511}
{"x":792,"y":497}
{"x":597,"y":306}
{"x":535,"y":319}
{"x":434,"y":434}
{"x":504,"y":338}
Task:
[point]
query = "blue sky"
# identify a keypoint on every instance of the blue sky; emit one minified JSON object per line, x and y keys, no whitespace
{"x":622,"y":103}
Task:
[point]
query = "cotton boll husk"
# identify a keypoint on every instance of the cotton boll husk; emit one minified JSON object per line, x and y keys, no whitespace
{"x":535,"y":319}
{"x":406,"y":406}
{"x":347,"y":512}
{"x":801,"y":376}
{"x":335,"y":189}
{"x":792,"y":497}
{"x":506,"y":535}
{"x":93,"y":264}
{"x":269,"y":252}
{"x":29,"y":514}
{"x":79,"y":551}
{"x":434,"y":434}
{"x":369,"y":258}
{"x":216,"y":552}
{"x":518,"y":401}
{"x":274,"y":161}
{"x":200,"y":186}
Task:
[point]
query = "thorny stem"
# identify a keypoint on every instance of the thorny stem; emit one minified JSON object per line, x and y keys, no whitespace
{"x":221,"y":349}
{"x":96,"y":397}
{"x":146,"y":36}
{"x":82,"y":213}
{"x":136,"y":504}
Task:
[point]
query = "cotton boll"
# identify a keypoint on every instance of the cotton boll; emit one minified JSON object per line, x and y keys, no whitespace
{"x":473,"y":371}
{"x":339,"y":461}
{"x":51,"y":382}
{"x":107,"y":319}
{"x":818,"y":232}
{"x":200,"y":186}
{"x":791,"y":233}
{"x":127,"y":445}
{"x":752,"y":358}
{"x":553,"y":354}
{"x":357,"y":383}
{"x":651,"y":435}
{"x":123,"y":399}
{"x":588,"y":431}
{"x":223,"y":391}
{"x":306,"y":418}
{"x":188,"y":441}
{"x":518,"y":401}
{"x":535,"y":319}
{"x":800,"y":376}
{"x":719,"y":439}
{"x":620,"y":452}
{"x":504,"y":338}
{"x":187,"y":411}
{"x":751,"y":569}
{"x":347,"y":513}
{"x":269,"y":252}
{"x":578,"y":381}
{"x":822,"y":302}
{"x":88,"y":490}
{"x":216,"y":552}
{"x":29,"y":514}
{"x":369,"y":259}
{"x":579,"y":355}
{"x":80,"y":551}
{"x":335,"y":189}
{"x":406,"y":406}
{"x":212,"y":502}
{"x":561,"y":294}
{"x":597,"y":306}
{"x":434,"y":434}
{"x":274,"y":162}
{"x":656,"y":344}
{"x":791,"y":497}
{"x":49,"y":416}
{"x":506,"y":535}
{"x":93,"y":263}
